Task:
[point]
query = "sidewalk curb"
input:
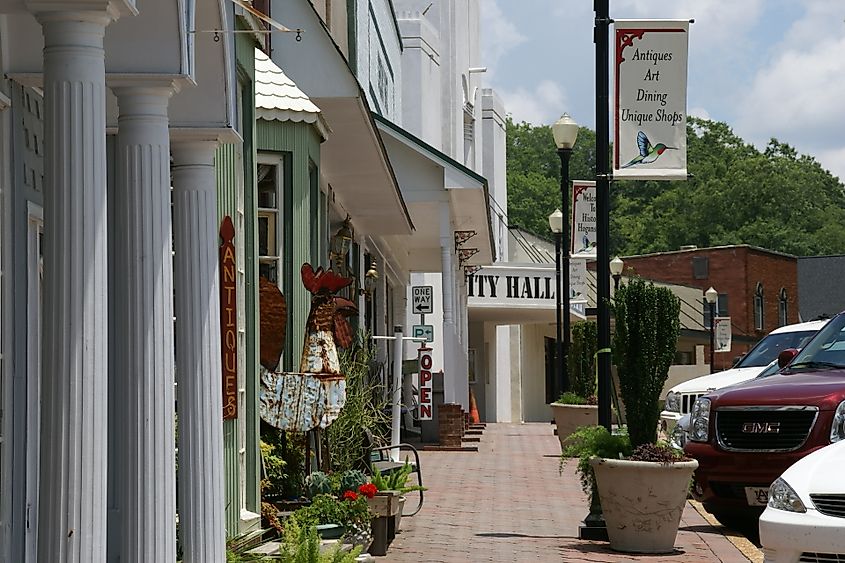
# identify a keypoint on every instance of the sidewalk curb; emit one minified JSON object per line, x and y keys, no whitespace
{"x":748,"y":549}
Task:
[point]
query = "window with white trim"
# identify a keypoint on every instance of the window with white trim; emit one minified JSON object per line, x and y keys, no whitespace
{"x":758,"y":307}
{"x":783,"y":308}
{"x":269,"y":237}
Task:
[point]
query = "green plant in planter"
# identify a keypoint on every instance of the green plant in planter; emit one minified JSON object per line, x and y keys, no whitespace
{"x":302,"y":545}
{"x":593,"y":441}
{"x":647,"y":329}
{"x":396,"y":480}
{"x":572,"y":398}
{"x":350,"y":480}
{"x":582,"y":360}
{"x":318,"y":483}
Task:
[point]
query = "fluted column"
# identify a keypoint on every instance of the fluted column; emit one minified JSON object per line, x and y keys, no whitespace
{"x":72,"y":478}
{"x":143,"y":463}
{"x":198,"y":354}
{"x":447,"y":288}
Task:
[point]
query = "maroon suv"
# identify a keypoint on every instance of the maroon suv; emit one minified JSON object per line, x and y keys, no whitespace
{"x":745,"y":436}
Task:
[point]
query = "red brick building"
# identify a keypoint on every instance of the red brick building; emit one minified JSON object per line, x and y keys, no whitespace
{"x":758,"y":288}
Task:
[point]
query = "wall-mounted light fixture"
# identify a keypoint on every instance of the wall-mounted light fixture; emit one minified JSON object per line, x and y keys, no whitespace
{"x":340,"y":244}
{"x":370,"y":280}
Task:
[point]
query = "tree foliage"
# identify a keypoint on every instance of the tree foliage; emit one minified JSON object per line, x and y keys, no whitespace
{"x":774,"y":198}
{"x":647,"y":329}
{"x":582,"y":358}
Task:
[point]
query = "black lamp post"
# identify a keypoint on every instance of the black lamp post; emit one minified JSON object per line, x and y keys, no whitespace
{"x":616,"y":267}
{"x":711,"y":296}
{"x":565,"y":132}
{"x":556,"y":225}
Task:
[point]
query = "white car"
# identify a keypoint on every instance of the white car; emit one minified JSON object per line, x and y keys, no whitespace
{"x":805,"y":517}
{"x":681,"y":398}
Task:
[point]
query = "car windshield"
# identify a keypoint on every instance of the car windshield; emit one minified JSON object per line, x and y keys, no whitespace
{"x":768,"y":349}
{"x":826,"y":350}
{"x":771,"y":370}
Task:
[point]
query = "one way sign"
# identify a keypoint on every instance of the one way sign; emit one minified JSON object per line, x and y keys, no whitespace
{"x":422,"y":299}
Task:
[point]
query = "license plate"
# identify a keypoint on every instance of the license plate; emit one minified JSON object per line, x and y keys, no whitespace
{"x":757,"y":496}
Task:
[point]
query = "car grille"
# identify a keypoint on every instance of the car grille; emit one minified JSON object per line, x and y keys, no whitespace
{"x":809,"y":557}
{"x":764,"y":429}
{"x":830,"y":505}
{"x":688,"y":400}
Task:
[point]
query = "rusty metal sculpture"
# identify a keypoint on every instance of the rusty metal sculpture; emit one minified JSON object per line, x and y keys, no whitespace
{"x":273,"y":320}
{"x":313,"y":397}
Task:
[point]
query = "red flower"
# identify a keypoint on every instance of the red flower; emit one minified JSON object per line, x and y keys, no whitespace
{"x":349,"y":495}
{"x":368,"y":490}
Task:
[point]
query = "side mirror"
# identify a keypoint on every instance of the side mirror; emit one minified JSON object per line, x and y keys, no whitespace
{"x":786,"y":356}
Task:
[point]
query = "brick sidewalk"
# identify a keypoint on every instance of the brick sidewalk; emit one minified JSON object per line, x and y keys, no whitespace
{"x":509,"y":503}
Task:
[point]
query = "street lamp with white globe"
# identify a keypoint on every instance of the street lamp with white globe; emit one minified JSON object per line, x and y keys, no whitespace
{"x":711,"y":296}
{"x":565,"y":133}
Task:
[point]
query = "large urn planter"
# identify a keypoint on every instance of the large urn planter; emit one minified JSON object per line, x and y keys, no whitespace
{"x":642,"y":502}
{"x":569,"y":418}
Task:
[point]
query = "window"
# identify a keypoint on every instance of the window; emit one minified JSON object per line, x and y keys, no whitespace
{"x":700,"y":267}
{"x":758,"y":307}
{"x":269,"y":224}
{"x":783,"y":308}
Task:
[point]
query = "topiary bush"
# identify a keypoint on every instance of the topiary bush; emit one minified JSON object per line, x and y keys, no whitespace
{"x":644,"y":343}
{"x":582,"y":359}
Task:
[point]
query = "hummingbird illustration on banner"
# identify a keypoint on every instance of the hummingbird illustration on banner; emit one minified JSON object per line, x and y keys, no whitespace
{"x":648,"y":152}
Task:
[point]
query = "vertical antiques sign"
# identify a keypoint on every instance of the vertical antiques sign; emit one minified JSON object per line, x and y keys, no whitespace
{"x":426,"y":363}
{"x":583,"y":219}
{"x":650,"y":108}
{"x":228,"y":319}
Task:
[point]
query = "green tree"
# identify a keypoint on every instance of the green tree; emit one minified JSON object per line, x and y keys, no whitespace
{"x":775,"y":198}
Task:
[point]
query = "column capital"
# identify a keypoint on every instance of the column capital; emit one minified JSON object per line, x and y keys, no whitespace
{"x":73,"y":10}
{"x":149,"y":84}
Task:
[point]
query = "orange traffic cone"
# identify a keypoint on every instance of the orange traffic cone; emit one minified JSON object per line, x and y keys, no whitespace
{"x":473,"y":408}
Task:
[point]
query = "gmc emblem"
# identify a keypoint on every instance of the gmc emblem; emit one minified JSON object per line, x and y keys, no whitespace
{"x":761,"y":428}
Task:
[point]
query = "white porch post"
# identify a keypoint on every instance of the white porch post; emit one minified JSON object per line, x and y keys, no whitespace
{"x":198,"y":355}
{"x":72,"y":480}
{"x":448,"y":288}
{"x":143,"y":463}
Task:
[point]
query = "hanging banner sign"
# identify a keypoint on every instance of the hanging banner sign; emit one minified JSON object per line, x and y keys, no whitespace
{"x":650,"y":109}
{"x":583,"y":219}
{"x":722,"y":334}
{"x":577,"y":280}
{"x":228,"y":319}
{"x":426,"y":362}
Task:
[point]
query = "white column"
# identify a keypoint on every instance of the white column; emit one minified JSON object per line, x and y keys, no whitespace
{"x":72,"y":480}
{"x":448,"y":289}
{"x":198,"y":356}
{"x":142,"y":409}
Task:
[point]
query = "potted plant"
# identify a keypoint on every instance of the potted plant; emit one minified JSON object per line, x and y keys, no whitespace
{"x":643,"y":496}
{"x":577,"y":407}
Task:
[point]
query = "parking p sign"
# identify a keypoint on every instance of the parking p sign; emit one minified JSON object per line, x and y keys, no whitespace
{"x":422,"y":299}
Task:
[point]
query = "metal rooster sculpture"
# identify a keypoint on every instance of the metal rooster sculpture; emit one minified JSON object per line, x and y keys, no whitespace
{"x":326,"y":327}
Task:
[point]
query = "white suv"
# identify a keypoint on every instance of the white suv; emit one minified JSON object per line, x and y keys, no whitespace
{"x":681,"y":398}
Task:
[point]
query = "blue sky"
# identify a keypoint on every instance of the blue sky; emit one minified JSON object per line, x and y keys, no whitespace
{"x":769,"y":68}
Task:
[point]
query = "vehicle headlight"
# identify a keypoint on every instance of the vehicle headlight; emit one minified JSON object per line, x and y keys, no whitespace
{"x":700,"y":420}
{"x":837,"y":429}
{"x":673,"y":402}
{"x":678,"y":437}
{"x":783,"y":497}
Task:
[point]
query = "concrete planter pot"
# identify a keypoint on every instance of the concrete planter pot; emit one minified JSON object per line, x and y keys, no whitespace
{"x":569,"y":418}
{"x":642,"y":502}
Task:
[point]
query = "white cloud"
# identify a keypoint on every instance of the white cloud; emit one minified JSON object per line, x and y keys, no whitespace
{"x":540,"y":106}
{"x":498,"y":34}
{"x":833,"y":160}
{"x":717,"y":22}
{"x":797,"y":96}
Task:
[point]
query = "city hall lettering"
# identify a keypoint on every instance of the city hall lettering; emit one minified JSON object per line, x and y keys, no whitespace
{"x":511,"y":287}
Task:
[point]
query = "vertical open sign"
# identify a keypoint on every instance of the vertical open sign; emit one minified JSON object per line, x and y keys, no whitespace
{"x":425,"y":383}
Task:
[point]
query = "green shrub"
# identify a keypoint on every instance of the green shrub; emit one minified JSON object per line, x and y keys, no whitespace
{"x":396,"y":480}
{"x":582,"y":359}
{"x":350,"y":480}
{"x":318,"y":483}
{"x":647,"y":329}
